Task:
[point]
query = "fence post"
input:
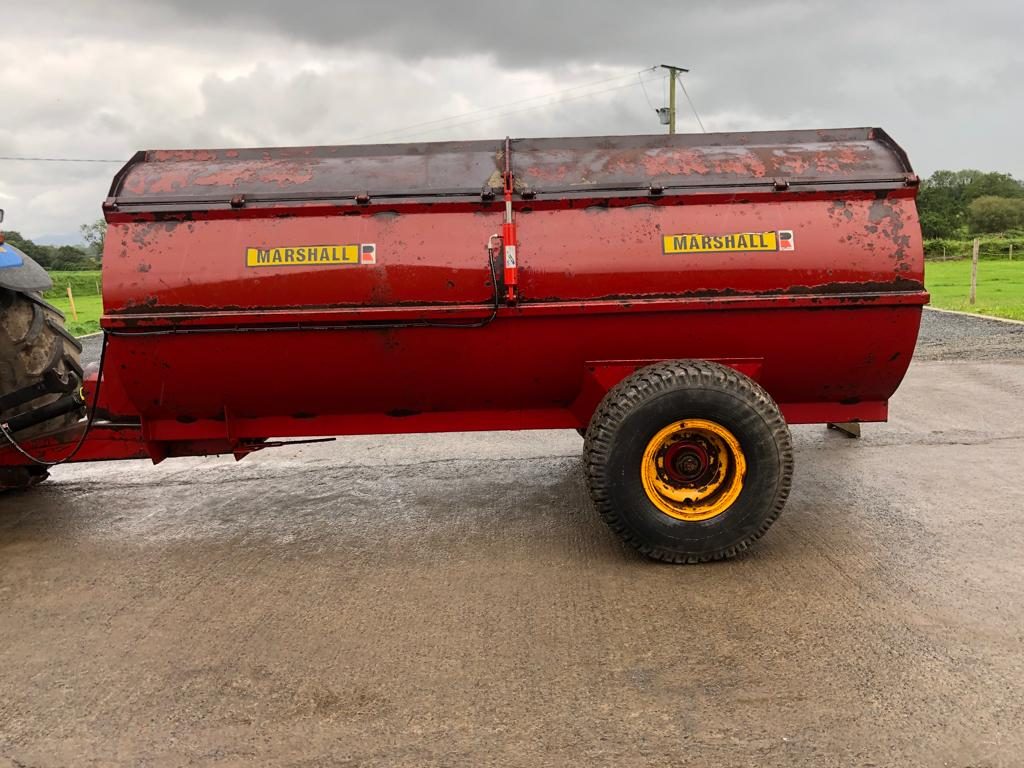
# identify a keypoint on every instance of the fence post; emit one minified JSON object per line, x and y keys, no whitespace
{"x":71,"y":301}
{"x":974,"y":269}
{"x":1011,"y":251}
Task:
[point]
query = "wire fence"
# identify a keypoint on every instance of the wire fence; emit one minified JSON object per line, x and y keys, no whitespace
{"x":991,"y":248}
{"x":82,"y":283}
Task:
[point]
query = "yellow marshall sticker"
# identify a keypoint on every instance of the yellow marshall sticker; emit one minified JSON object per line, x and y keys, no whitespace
{"x":312,"y":255}
{"x":780,"y":240}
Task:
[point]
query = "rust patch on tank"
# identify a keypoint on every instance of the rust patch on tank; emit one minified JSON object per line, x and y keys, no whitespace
{"x":166,"y":182}
{"x":887,"y":221}
{"x":746,"y":164}
{"x":674,"y":164}
{"x":178,"y":155}
{"x":284,"y":172}
{"x":543,"y":172}
{"x":839,"y":158}
{"x":839,"y":210}
{"x":791,"y":164}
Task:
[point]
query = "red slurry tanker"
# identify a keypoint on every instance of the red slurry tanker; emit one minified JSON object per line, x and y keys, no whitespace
{"x":681,"y":299}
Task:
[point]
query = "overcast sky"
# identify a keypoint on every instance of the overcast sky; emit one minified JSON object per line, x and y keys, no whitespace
{"x":92,"y":79}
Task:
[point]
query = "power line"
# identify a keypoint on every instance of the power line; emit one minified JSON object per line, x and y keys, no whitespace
{"x":690,"y":101}
{"x":639,"y":75}
{"x":536,"y":106}
{"x":407,"y":128}
{"x":59,"y":159}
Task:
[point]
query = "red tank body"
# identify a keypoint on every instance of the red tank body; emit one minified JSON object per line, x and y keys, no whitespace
{"x":339,"y":290}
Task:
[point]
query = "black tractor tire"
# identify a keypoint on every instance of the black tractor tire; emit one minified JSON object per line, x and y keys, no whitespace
{"x":644,"y":406}
{"x":35,"y":344}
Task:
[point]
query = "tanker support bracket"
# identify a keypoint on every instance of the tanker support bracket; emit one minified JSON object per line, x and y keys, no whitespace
{"x":850,"y":429}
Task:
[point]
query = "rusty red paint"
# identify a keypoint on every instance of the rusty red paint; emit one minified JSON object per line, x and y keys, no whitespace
{"x":183,"y":155}
{"x":285,"y":173}
{"x":828,"y":328}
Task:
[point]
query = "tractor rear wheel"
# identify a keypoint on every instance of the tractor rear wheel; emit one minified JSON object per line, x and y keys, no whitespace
{"x":688,"y":461}
{"x":39,"y":363}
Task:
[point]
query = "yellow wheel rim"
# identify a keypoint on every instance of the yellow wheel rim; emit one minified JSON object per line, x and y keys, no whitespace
{"x":693,"y":470}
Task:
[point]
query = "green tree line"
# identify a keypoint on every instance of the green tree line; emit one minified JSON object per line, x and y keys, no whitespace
{"x":956,"y":204}
{"x":70,"y":258}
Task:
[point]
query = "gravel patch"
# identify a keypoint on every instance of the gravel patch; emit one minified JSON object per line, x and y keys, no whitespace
{"x":946,"y":336}
{"x":91,"y":348}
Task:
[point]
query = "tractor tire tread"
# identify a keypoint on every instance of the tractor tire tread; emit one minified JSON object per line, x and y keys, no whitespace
{"x":34,"y":328}
{"x":33,"y":340}
{"x":39,"y":301}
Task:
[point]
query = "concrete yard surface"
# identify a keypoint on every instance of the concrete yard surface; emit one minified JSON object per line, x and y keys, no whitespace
{"x":453,"y":600}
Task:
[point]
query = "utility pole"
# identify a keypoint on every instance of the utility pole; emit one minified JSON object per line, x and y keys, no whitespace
{"x":673,"y":73}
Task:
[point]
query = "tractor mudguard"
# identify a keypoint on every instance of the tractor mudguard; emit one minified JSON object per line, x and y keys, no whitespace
{"x":19,"y":273}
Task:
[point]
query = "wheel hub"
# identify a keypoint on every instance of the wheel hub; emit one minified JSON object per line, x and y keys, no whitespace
{"x":693,"y":470}
{"x":687,"y":462}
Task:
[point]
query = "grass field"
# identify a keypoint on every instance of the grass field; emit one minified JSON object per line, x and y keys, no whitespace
{"x":89,"y":310}
{"x":88,"y":302}
{"x":1000,"y":287}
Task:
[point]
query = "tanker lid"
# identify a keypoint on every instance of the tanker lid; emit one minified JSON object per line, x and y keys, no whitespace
{"x":601,"y":166}
{"x":196,"y":179}
{"x":845,"y":158}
